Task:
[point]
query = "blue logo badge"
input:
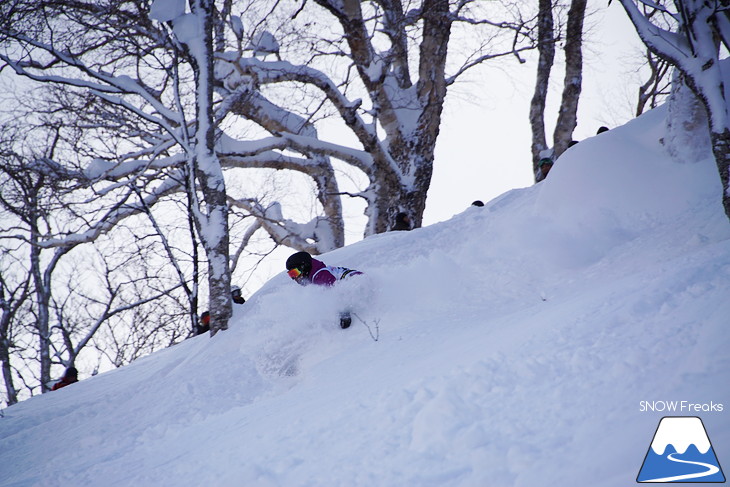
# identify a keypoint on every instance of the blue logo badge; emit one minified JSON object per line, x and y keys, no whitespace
{"x":680,"y":452}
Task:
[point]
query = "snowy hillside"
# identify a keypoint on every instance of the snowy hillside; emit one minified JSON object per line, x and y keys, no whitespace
{"x":517,"y":345}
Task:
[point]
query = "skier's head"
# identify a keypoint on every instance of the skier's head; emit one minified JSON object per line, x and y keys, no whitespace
{"x":545,"y":165}
{"x":299,"y":265}
{"x":71,"y":373}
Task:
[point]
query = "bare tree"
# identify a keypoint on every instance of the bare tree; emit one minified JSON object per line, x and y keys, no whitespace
{"x":658,"y":84}
{"x":44,"y":300}
{"x":189,"y":286}
{"x":694,"y":51}
{"x":12,"y":298}
{"x":78,"y":45}
{"x":68,"y":316}
{"x":407,"y":111}
{"x":568,"y":115}
{"x":548,"y":35}
{"x":546,"y":58}
{"x":389,"y":95}
{"x":26,"y":187}
{"x":212,"y":217}
{"x":123,"y":296}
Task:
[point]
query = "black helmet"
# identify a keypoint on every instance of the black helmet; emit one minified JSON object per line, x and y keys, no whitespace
{"x":301,"y":261}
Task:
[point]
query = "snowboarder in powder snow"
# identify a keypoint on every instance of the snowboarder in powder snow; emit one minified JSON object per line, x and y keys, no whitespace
{"x":305,"y":270}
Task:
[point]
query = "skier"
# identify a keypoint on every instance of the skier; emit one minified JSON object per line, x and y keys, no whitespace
{"x":305,"y":270}
{"x":71,"y":376}
{"x":204,"y":325}
{"x":543,"y":168}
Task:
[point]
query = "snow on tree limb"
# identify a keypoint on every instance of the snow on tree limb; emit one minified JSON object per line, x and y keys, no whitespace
{"x":229,"y":148}
{"x":694,"y":51}
{"x":268,"y":72}
{"x":305,"y":236}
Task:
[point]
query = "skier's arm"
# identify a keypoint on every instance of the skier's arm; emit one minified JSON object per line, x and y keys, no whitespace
{"x":324,"y":278}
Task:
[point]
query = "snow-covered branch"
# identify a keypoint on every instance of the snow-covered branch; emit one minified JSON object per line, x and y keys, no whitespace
{"x":313,"y":237}
{"x":248,"y":151}
{"x":695,"y":52}
{"x":269,"y":72}
{"x":119,"y":211}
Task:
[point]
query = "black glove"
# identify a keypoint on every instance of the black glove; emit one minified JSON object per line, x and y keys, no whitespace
{"x":345,"y":320}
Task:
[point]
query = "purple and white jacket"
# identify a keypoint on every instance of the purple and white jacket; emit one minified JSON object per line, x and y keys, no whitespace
{"x":324,"y":275}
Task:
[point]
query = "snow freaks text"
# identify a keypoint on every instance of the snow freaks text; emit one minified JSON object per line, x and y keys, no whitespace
{"x":680,"y":407}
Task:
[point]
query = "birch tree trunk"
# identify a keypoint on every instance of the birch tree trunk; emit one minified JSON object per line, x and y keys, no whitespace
{"x":721,"y":151}
{"x":11,"y":394}
{"x":42,"y":315}
{"x":9,"y":305}
{"x":42,"y":321}
{"x":694,"y":50}
{"x":686,"y":136}
{"x":546,"y":49}
{"x":212,"y":219}
{"x":403,"y":163}
{"x":42,"y":281}
{"x":568,"y":116}
{"x":572,"y":83}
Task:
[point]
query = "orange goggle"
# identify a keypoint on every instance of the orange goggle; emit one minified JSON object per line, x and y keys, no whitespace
{"x":295,"y":273}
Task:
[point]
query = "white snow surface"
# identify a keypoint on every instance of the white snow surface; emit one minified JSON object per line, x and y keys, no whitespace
{"x":515,"y":345}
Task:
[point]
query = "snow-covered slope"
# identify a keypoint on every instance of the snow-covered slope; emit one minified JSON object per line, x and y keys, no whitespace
{"x":516,"y":346}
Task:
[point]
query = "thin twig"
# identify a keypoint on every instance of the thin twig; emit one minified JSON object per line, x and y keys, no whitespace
{"x":376,"y":324}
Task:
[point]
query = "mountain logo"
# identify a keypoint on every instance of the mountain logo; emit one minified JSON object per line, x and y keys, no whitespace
{"x":680,"y":452}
